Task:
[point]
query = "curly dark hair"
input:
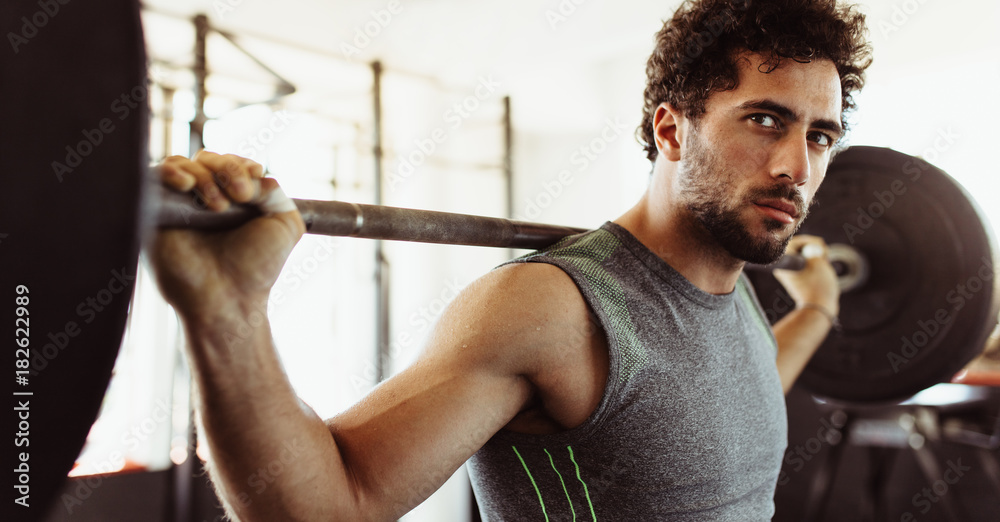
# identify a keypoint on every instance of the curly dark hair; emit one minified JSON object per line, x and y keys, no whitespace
{"x":697,"y":49}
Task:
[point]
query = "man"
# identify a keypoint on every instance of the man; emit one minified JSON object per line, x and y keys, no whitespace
{"x":624,"y":374}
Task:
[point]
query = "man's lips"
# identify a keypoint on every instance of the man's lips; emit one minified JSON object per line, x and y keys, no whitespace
{"x":778,"y":209}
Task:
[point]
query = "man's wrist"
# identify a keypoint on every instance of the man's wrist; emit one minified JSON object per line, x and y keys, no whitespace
{"x":226,"y":324}
{"x":828,"y":312}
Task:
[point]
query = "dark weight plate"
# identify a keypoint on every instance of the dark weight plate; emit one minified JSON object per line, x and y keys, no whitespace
{"x":73,"y":154}
{"x":932,"y":295}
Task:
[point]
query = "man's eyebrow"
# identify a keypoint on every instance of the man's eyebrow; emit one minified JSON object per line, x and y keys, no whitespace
{"x":788,"y":114}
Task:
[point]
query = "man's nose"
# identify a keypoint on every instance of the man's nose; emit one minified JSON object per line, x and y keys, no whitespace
{"x":791,"y":160}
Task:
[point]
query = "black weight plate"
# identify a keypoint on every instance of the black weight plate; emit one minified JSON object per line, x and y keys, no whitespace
{"x":74,"y":144}
{"x":932,"y":295}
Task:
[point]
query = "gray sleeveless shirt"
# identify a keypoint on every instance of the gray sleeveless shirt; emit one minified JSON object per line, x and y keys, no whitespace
{"x":692,"y":423}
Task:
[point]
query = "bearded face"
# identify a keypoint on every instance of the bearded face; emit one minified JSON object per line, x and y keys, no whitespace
{"x":712,"y":192}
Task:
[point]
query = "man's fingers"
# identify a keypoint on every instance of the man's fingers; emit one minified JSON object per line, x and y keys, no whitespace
{"x":232,"y":174}
{"x":210,"y":193}
{"x":217,"y":178}
{"x":256,"y":169}
{"x":174,"y":174}
{"x":807,"y":246}
{"x":182,"y":174}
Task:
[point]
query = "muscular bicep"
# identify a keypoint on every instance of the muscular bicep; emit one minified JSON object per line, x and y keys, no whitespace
{"x":413,"y":431}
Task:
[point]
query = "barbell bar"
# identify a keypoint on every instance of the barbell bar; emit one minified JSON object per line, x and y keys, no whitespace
{"x":346,"y":219}
{"x":343,"y":219}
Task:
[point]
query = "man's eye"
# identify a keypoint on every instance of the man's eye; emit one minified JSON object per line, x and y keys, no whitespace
{"x":822,"y":139}
{"x":764,"y":120}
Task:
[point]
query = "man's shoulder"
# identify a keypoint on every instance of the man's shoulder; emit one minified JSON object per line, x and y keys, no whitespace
{"x":517,"y":314}
{"x":547,"y":331}
{"x":542,"y":290}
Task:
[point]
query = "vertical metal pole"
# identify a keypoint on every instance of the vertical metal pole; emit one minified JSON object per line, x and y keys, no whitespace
{"x":200,"y":75}
{"x":381,"y":264}
{"x":182,"y":483}
{"x":168,"y":120}
{"x":508,"y":162}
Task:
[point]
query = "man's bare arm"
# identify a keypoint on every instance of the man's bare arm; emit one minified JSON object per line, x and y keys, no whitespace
{"x":480,"y":369}
{"x":799,"y":334}
{"x":384,"y":455}
{"x":803,"y":329}
{"x":387,"y":453}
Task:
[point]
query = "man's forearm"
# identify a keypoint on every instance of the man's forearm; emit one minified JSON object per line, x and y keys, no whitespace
{"x":799,"y":334}
{"x":272,"y":457}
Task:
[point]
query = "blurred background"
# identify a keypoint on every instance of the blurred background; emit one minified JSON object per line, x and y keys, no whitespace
{"x":521,"y":108}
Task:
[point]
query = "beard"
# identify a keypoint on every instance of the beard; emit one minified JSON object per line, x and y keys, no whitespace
{"x":704,"y":187}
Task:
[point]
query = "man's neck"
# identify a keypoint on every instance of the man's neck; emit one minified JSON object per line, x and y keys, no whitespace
{"x":677,"y":238}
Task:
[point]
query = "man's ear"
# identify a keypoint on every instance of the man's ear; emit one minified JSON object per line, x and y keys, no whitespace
{"x":668,"y":131}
